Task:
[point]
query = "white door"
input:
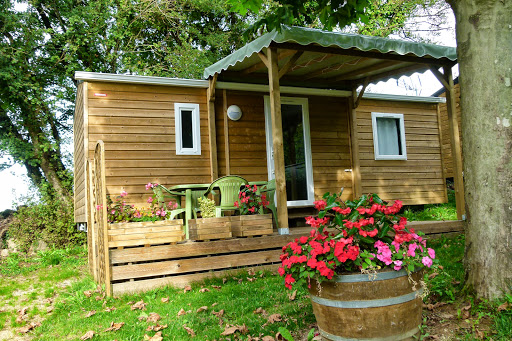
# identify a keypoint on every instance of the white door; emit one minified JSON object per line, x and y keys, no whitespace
{"x":297,"y":150}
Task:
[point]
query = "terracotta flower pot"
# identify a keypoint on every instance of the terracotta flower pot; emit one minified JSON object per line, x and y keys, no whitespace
{"x":383,"y":306}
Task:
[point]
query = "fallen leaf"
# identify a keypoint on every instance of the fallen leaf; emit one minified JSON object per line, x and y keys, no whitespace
{"x":99,"y":298}
{"x":274,"y":318}
{"x":109,"y":309}
{"x":229,"y":330}
{"x":432,"y":275}
{"x":156,"y":337}
{"x":88,"y":293}
{"x":49,"y":309}
{"x":251,"y":279}
{"x":218,"y":314}
{"x":203,"y":308}
{"x":181,"y":312}
{"x":480,"y":334}
{"x":214,"y":304}
{"x":139,"y":305}
{"x":503,"y":306}
{"x":260,"y":310}
{"x":87,"y":335}
{"x":251,"y":272}
{"x":153,"y":317}
{"x":189,"y":331}
{"x":98,"y":288}
{"x":293,"y":295}
{"x":268,"y":338}
{"x":165,"y":299}
{"x":204,"y":290}
{"x":156,"y":328}
{"x":446,"y":316}
{"x":187,"y":288}
{"x":240,"y":281}
{"x":441,"y":267}
{"x":28,"y":327}
{"x":131,"y":302}
{"x":114,"y":326}
{"x":90,"y":313}
{"x":224,"y":280}
{"x":431,"y":306}
{"x":218,"y":287}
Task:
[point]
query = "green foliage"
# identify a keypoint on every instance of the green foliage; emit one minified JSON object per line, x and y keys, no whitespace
{"x":207,"y":207}
{"x":42,"y":47}
{"x":49,"y":220}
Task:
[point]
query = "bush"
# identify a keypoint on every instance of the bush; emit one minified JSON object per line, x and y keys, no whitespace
{"x":50,"y":220}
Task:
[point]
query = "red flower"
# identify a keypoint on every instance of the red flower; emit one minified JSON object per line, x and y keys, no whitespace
{"x":288,"y":280}
{"x":320,"y":204}
{"x":280,"y":271}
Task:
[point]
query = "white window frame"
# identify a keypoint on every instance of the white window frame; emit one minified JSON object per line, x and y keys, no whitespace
{"x":400,"y":117}
{"x":196,"y":129}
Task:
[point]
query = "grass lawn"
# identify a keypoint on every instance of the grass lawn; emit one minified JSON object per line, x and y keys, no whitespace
{"x":50,"y":296}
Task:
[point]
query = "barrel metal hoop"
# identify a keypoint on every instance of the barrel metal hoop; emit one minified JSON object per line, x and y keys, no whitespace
{"x":379,"y":276}
{"x":403,"y":336}
{"x":369,"y":303}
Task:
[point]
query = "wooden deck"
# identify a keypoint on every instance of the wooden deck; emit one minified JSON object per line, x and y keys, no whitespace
{"x":145,"y":267}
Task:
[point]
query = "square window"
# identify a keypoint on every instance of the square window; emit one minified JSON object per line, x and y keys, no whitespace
{"x":188,"y":134}
{"x":388,"y":136}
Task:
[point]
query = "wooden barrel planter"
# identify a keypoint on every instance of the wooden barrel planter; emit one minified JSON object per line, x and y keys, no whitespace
{"x":359,"y":307}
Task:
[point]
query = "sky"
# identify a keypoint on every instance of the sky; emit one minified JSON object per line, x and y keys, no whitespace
{"x":14,"y":183}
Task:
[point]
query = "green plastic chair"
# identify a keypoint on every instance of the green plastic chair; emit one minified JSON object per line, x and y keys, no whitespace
{"x":229,"y":188}
{"x":163,"y":195}
{"x":270,"y":191}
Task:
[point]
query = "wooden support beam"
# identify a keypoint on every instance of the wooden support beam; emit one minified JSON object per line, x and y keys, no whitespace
{"x":388,"y":74}
{"x":261,"y":65}
{"x":264,"y":59}
{"x":455,"y":144}
{"x":440,"y":77}
{"x":439,"y":126}
{"x":357,"y":186}
{"x":212,"y":134}
{"x":277,"y":140}
{"x":364,"y":70}
{"x":290,"y":63}
{"x":389,"y":56}
{"x":226,"y":131}
{"x":334,"y":67}
{"x":361,"y":93}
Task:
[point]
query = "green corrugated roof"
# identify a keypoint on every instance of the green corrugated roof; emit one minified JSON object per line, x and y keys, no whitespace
{"x":306,"y":36}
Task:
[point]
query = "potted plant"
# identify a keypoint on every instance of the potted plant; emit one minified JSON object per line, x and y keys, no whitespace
{"x":361,"y":264}
{"x":209,"y":226}
{"x":252,"y":220}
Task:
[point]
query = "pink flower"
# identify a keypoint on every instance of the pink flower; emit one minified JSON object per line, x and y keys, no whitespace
{"x":113,"y":211}
{"x":427,"y":262}
{"x":137,"y":214}
{"x":398,"y":265}
{"x":123,"y":194}
{"x":150,"y":200}
{"x":431,"y":253}
{"x":411,"y":251}
{"x":99,"y":207}
{"x":149,"y":185}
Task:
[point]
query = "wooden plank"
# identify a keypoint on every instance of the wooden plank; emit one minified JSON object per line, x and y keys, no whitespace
{"x":456,"y":145}
{"x":441,"y":141}
{"x":431,"y":227}
{"x":180,"y":281}
{"x":194,"y":249}
{"x":226,"y":131}
{"x":184,"y":266}
{"x":146,"y":241}
{"x":277,"y":137}
{"x":151,"y":89}
{"x":354,"y":151}
{"x":212,"y":135}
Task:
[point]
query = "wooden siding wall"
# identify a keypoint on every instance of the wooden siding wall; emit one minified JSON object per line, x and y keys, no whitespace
{"x":417,"y":180}
{"x":79,"y":145}
{"x":136,"y":123}
{"x":445,"y":128}
{"x":247,"y":144}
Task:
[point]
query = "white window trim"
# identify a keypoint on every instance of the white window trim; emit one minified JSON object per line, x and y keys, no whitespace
{"x":376,"y":115}
{"x":307,"y":147}
{"x":196,"y":129}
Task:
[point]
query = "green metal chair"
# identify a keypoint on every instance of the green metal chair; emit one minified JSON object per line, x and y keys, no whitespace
{"x":163,"y":195}
{"x":229,"y":187}
{"x":270,"y":191}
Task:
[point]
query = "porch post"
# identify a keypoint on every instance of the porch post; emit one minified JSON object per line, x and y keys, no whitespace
{"x":357,"y":187}
{"x":455,"y":143}
{"x":277,"y":139}
{"x":212,"y":135}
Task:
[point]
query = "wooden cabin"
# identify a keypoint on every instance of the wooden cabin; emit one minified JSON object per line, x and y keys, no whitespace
{"x":306,"y":120}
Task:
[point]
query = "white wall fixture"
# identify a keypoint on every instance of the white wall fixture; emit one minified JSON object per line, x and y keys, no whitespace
{"x":234,"y":112}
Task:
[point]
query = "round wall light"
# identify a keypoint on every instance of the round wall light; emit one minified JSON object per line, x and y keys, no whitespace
{"x":234,"y":112}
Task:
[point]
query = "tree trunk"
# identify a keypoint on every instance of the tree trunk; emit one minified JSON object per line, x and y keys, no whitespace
{"x":484,"y":39}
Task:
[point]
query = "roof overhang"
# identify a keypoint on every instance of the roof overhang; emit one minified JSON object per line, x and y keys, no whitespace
{"x":330,"y":60}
